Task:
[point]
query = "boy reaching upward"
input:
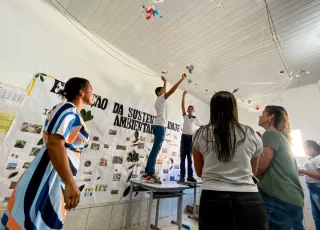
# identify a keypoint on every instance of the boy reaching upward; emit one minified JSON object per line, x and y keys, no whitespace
{"x":159,"y":128}
{"x":190,"y":125}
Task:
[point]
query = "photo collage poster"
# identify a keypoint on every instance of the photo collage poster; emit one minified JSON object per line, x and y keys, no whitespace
{"x":120,"y":141}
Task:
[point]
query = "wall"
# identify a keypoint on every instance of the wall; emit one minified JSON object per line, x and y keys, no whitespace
{"x":35,"y":37}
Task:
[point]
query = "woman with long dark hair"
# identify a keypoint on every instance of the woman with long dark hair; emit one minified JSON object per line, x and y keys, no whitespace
{"x":311,"y":174}
{"x":226,"y":155}
{"x":278,"y":173}
{"x":48,"y":188}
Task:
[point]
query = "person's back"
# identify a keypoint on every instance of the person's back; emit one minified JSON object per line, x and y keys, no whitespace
{"x":226,"y":156}
{"x":235,"y":175}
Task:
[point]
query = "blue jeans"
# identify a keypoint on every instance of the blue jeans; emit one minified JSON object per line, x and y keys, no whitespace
{"x":281,"y":215}
{"x":186,"y":152}
{"x":314,"y":190}
{"x":159,"y":133}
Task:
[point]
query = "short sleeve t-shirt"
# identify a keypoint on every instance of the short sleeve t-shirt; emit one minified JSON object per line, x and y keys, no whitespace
{"x":161,"y":109}
{"x":281,"y":179}
{"x":313,"y":165}
{"x":233,"y":176}
{"x":190,"y":124}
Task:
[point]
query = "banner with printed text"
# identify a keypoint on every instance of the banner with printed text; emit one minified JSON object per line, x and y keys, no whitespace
{"x":120,"y":142}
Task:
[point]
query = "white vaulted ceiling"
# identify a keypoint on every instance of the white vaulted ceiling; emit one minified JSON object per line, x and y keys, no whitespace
{"x":230,"y":47}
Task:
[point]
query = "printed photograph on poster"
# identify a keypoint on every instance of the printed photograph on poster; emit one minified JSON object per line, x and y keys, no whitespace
{"x":117,"y":160}
{"x":101,"y":188}
{"x":14,"y":155}
{"x":113,"y":132}
{"x":95,"y":146}
{"x":87,"y":163}
{"x":103,"y":162}
{"x":121,"y":147}
{"x":95,"y":138}
{"x":6,"y":199}
{"x":88,"y":173}
{"x":116,"y":177}
{"x":34,"y":151}
{"x":140,"y":145}
{"x":31,"y":128}
{"x":12,"y":166}
{"x":115,"y":192}
{"x":13,"y":185}
{"x":106,"y":146}
{"x":20,"y":144}
{"x":26,"y":165}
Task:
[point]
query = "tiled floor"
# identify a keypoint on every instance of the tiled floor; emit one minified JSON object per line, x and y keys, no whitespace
{"x":165,"y":224}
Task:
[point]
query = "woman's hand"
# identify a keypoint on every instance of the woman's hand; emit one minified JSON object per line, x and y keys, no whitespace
{"x":72,"y":195}
{"x":302,"y":171}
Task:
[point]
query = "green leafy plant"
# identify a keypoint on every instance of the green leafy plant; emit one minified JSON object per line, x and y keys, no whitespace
{"x":81,"y":187}
{"x":133,"y":156}
{"x":13,"y":175}
{"x":41,"y":76}
{"x":40,"y":142}
{"x":86,"y":115}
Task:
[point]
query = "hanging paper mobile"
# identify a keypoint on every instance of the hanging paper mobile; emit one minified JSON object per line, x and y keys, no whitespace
{"x":150,"y":11}
{"x":189,"y":81}
{"x":235,"y":90}
{"x":190,"y":68}
{"x":164,"y":72}
{"x":257,"y":107}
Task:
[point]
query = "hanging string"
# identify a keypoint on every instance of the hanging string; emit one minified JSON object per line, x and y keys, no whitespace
{"x":146,"y":73}
{"x":275,"y":40}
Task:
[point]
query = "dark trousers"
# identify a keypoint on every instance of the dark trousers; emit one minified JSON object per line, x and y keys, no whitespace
{"x":314,"y":189}
{"x":159,"y":133}
{"x":281,"y":215}
{"x":186,"y":152}
{"x":232,"y":211}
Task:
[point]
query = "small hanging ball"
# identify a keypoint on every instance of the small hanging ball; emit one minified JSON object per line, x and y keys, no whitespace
{"x":257,"y":107}
{"x":281,"y":71}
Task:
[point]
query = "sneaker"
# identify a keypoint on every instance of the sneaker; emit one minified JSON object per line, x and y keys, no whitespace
{"x":191,"y":179}
{"x":153,"y":180}
{"x":181,"y":180}
{"x":144,"y":176}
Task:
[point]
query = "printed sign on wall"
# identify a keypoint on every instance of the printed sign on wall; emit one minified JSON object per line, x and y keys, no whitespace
{"x":120,"y":142}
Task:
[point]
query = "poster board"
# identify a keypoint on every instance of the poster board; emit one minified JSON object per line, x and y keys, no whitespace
{"x":120,"y":141}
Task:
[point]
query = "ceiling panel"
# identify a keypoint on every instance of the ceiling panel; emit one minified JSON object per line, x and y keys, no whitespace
{"x":230,"y":47}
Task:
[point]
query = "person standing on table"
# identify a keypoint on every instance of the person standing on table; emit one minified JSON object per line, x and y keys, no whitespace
{"x":190,"y":125}
{"x":226,"y":155}
{"x":48,"y":188}
{"x":278,"y":173}
{"x":311,"y":174}
{"x":159,"y":128}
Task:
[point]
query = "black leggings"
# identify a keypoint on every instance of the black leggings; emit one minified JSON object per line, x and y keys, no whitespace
{"x":232,"y":211}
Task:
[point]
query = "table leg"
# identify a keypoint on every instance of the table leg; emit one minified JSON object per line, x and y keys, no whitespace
{"x":179,"y":217}
{"x":195,"y":201}
{"x":129,"y":208}
{"x":150,"y":210}
{"x":157,"y":212}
